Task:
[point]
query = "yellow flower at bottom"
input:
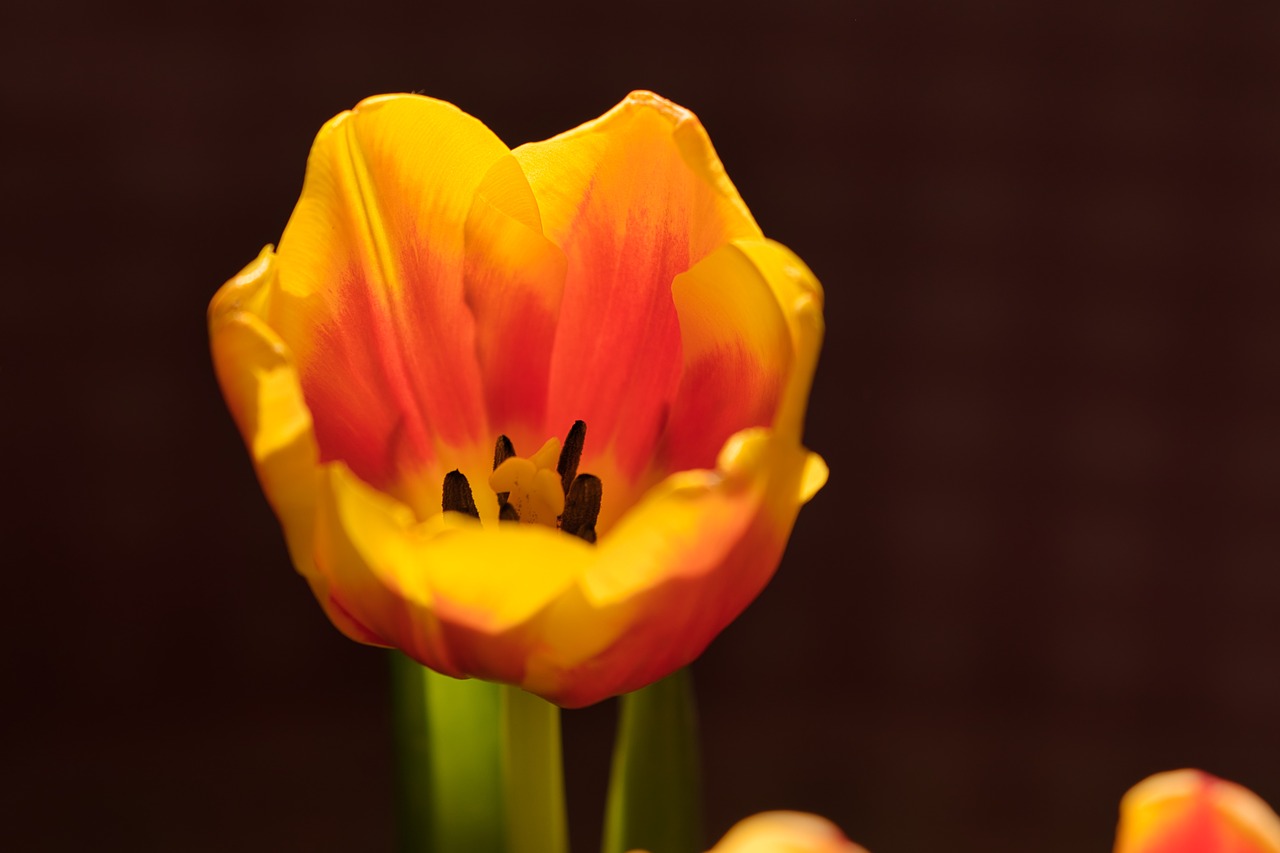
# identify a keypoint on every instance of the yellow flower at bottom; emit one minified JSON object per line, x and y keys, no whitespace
{"x":785,"y":832}
{"x":1188,"y":811}
{"x":435,"y":296}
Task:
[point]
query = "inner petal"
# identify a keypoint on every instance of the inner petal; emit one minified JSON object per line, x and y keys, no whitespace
{"x":737,"y":357}
{"x":514,"y":282}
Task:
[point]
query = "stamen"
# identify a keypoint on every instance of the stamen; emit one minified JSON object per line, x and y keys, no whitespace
{"x":571,"y":454}
{"x":582,"y":506}
{"x":532,"y":484}
{"x":544,"y":488}
{"x":503,"y":451}
{"x":457,"y":495}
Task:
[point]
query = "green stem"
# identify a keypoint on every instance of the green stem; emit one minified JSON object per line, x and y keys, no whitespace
{"x":449,"y":756}
{"x":654,"y":788}
{"x":534,"y":774}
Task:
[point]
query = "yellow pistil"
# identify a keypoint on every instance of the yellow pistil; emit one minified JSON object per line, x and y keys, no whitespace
{"x":533,"y":484}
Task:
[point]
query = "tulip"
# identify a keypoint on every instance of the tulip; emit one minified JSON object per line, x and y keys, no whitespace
{"x":785,"y":832}
{"x":442,"y":310}
{"x":1188,"y":811}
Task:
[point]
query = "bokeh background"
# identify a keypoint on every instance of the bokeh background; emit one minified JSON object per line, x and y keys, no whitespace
{"x":1048,"y":560}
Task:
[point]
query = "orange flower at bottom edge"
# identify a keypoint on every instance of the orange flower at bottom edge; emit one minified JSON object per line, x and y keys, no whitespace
{"x":439,"y":303}
{"x":1189,"y":811}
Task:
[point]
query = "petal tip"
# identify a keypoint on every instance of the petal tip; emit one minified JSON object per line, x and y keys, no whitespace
{"x":376,"y":102}
{"x":644,"y":98}
{"x":814,"y":476}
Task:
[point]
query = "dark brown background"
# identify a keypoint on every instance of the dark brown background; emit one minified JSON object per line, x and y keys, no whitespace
{"x":1045,"y":565}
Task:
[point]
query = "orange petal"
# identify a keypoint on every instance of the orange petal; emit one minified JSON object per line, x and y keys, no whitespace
{"x":370,"y":296}
{"x":1188,"y":811}
{"x":634,"y":198}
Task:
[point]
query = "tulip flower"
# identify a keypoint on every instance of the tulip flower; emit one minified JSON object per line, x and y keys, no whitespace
{"x":1188,"y":811}
{"x":531,"y":416}
{"x":785,"y":832}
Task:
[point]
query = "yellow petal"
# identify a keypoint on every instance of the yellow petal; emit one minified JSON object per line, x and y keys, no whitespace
{"x":801,"y":299}
{"x":260,"y":383}
{"x":736,"y":360}
{"x":445,"y":590}
{"x":674,"y":571}
{"x":574,"y":623}
{"x":1188,"y":811}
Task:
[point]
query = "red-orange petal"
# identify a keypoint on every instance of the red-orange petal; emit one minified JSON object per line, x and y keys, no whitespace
{"x":634,"y":198}
{"x":514,"y":283}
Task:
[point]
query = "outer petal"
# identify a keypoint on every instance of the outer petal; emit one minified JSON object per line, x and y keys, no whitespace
{"x":372,"y":297}
{"x":675,"y":571}
{"x":442,"y":591}
{"x":1187,"y":811}
{"x":785,"y":832}
{"x":634,"y":198}
{"x":260,"y":383}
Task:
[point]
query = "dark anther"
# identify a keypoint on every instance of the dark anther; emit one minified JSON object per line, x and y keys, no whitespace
{"x":457,"y":494}
{"x":506,"y":511}
{"x":571,"y":454}
{"x":503,"y":451}
{"x":582,"y":506}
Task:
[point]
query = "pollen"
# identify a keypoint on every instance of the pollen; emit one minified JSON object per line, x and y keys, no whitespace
{"x":532,"y":485}
{"x":544,"y":488}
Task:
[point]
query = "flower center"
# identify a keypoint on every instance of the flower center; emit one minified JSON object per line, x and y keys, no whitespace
{"x":544,"y":488}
